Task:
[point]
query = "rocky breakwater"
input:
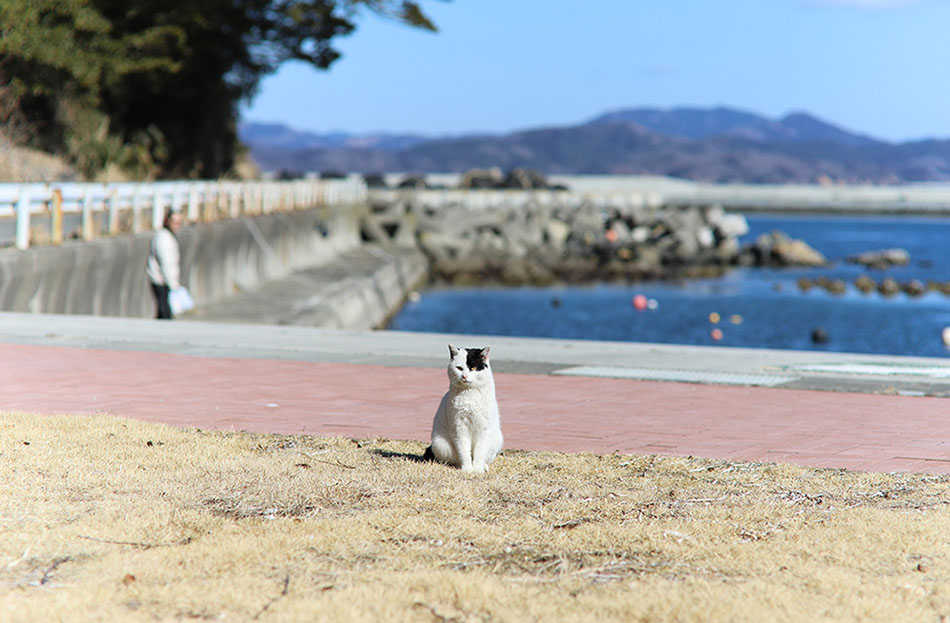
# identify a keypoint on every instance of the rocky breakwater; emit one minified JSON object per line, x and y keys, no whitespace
{"x":539,"y":237}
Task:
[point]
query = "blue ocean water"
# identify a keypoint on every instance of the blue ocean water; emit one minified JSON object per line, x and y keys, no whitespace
{"x":757,"y":308}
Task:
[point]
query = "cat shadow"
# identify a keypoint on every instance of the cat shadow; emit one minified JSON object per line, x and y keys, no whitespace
{"x":406,"y":456}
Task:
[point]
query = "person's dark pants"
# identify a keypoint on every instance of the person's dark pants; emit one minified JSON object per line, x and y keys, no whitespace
{"x":161,"y":301}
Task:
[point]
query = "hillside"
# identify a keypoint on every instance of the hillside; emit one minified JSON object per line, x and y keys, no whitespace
{"x":716,"y":144}
{"x":22,"y":164}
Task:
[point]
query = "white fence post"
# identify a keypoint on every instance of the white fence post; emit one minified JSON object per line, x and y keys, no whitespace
{"x":234,"y":202}
{"x":88,"y":222}
{"x":23,"y":220}
{"x":158,"y":209}
{"x":192,"y":203}
{"x":136,"y":212}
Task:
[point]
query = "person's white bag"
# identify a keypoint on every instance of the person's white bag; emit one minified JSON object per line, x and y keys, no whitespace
{"x":179,"y":299}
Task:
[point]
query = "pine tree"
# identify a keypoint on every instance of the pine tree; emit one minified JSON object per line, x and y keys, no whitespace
{"x":152,"y":86}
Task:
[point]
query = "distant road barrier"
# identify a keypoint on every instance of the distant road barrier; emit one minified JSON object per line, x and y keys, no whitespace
{"x":42,"y":211}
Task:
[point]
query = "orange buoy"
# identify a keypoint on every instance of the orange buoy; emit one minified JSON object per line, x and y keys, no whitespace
{"x":640,"y":302}
{"x":716,"y":334}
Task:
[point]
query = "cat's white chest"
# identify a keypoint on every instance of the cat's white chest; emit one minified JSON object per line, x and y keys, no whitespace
{"x":472,"y":408}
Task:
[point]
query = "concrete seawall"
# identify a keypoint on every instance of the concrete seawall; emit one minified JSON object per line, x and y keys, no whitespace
{"x":360,"y":289}
{"x":929,"y":199}
{"x":107,"y":276}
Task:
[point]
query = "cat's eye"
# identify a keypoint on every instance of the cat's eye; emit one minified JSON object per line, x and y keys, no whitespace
{"x":459,"y":368}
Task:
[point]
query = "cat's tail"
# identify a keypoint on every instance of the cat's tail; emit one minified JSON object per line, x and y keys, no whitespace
{"x":428,"y":455}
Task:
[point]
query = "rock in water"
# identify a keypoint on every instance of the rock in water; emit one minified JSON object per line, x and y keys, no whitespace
{"x":882,"y":258}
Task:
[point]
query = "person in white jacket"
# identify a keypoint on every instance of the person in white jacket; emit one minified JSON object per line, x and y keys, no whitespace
{"x":163,"y":267}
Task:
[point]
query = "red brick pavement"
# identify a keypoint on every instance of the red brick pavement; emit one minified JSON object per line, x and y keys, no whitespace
{"x":828,"y":429}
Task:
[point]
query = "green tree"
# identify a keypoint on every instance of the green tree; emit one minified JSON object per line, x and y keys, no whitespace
{"x":57,"y":57}
{"x":153,"y":86}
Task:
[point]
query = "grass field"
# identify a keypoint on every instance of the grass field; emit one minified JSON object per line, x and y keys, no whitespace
{"x":108,"y":519}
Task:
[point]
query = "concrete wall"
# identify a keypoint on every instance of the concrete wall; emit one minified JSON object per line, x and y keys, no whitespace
{"x":107,"y":276}
{"x":652,"y":190}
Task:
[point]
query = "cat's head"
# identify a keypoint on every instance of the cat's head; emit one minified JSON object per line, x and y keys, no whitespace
{"x":468,"y":367}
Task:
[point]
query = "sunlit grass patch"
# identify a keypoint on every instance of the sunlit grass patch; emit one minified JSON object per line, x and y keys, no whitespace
{"x":109,"y":519}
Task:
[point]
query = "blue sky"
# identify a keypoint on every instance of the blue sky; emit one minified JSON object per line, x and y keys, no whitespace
{"x":878,"y":67}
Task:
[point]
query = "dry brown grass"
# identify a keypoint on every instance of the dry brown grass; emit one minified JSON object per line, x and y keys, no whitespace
{"x":108,"y":519}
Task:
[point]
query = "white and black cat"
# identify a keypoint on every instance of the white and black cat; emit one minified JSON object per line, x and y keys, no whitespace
{"x":466,"y":431}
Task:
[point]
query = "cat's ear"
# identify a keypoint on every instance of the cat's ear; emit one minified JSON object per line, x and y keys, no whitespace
{"x":453,"y":351}
{"x":485,"y":353}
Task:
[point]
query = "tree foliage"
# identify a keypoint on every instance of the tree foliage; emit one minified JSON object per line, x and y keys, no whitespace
{"x":153,"y":86}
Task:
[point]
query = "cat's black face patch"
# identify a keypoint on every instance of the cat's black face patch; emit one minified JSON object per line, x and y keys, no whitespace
{"x":475,"y":359}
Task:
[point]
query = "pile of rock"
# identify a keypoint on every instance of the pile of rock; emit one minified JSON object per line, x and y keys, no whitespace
{"x":518,"y":179}
{"x":882,"y":259}
{"x":634,"y":243}
{"x":778,"y":249}
{"x":541,"y":237}
{"x":474,"y":179}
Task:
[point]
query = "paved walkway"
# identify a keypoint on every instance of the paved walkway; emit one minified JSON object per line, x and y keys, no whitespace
{"x":297,"y":380}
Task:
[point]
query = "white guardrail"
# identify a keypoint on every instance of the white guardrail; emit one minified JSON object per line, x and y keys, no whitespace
{"x":110,"y":209}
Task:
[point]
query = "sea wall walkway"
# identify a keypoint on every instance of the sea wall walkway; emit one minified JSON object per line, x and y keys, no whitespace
{"x":81,"y":248}
{"x":358,"y":289}
{"x":106,"y":276}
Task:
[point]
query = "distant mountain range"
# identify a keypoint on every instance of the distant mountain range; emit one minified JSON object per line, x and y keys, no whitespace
{"x":707,"y":144}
